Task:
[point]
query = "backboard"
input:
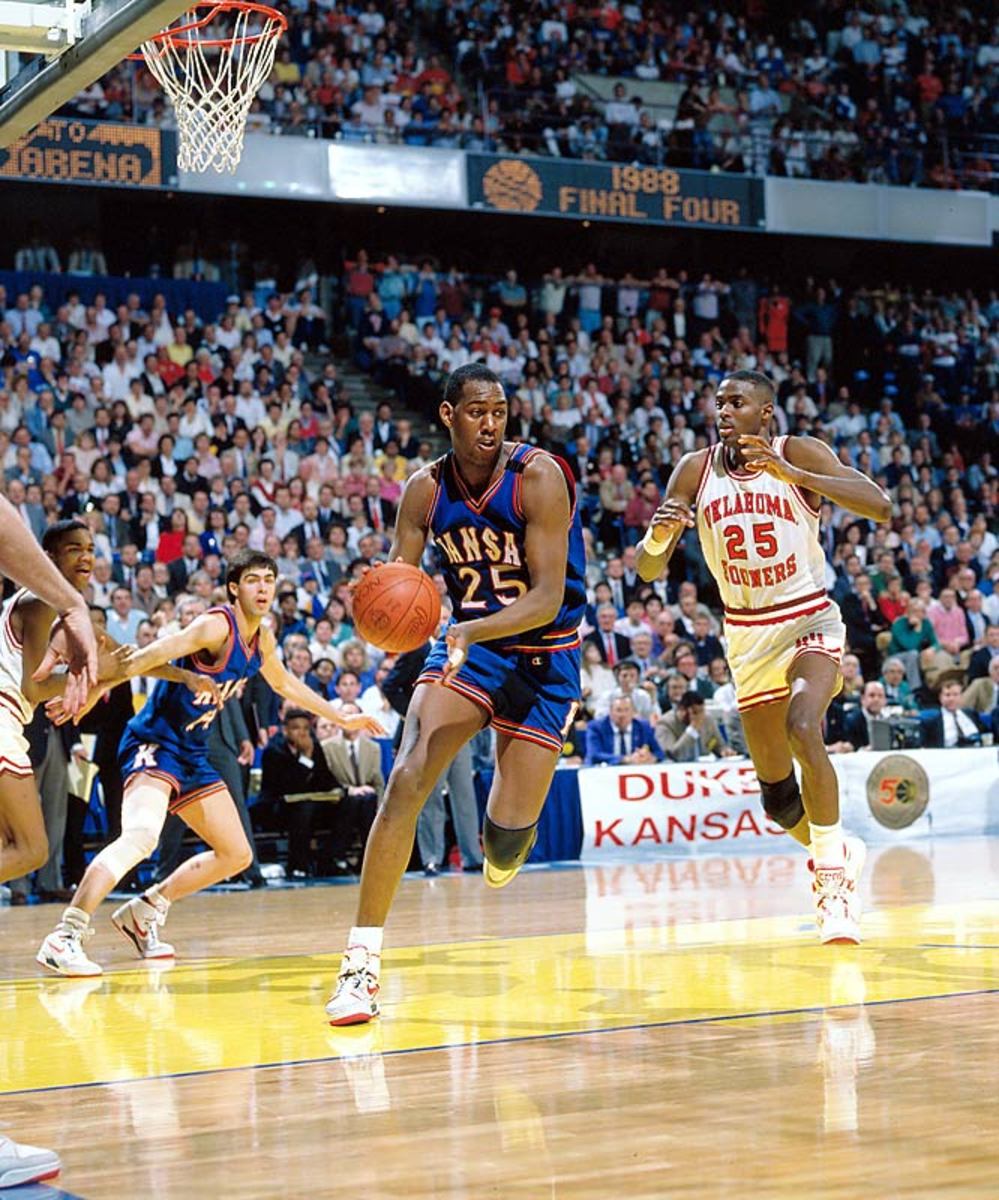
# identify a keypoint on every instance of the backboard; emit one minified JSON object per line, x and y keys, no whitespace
{"x":52,"y":49}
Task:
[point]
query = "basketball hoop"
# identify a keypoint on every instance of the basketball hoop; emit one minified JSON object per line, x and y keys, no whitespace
{"x":211,"y":65}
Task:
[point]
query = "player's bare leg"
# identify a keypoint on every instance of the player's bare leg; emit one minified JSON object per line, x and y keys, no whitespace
{"x":765,"y":730}
{"x":523,"y":776}
{"x":143,"y":811}
{"x":775,"y":732}
{"x":24,"y":846}
{"x":216,"y":821}
{"x":439,"y":722}
{"x":837,"y":860}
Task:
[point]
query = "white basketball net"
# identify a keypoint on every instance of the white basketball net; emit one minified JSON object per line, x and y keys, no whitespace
{"x":212,"y":87}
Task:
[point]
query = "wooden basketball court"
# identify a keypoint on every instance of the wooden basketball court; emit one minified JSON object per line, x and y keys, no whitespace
{"x":664,"y":1029}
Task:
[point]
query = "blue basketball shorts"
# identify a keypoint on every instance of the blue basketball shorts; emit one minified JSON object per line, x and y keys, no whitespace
{"x":187,"y":769}
{"x":531,"y":696}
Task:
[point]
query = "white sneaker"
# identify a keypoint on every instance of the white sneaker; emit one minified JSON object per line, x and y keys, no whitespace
{"x":833,"y":908}
{"x":26,"y":1164}
{"x":63,"y":952}
{"x":355,"y":998}
{"x":496,"y":877}
{"x":138,"y":922}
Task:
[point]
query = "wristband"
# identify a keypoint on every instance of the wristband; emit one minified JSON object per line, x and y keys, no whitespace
{"x":653,"y":546}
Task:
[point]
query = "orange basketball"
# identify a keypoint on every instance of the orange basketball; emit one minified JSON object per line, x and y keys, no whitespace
{"x":396,"y":607}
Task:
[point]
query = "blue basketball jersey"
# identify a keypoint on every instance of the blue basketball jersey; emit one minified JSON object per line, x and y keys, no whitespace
{"x":481,"y":547}
{"x":174,"y":716}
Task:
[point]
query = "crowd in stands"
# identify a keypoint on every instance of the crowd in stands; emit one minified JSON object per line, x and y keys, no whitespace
{"x":180,"y":441}
{"x":896,"y":93}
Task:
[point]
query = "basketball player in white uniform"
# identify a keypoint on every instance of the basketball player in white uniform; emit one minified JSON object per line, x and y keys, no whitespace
{"x":755,"y":506}
{"x":22,"y":559}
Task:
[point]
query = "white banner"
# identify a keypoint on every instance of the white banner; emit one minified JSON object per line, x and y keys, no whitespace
{"x":635,"y":812}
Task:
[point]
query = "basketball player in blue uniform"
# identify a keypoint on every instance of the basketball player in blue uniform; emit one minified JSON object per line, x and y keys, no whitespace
{"x":504,"y":520}
{"x":165,"y":766}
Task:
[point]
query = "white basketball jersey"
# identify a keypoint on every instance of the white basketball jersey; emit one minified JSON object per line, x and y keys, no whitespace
{"x":12,"y":701}
{"x":760,"y":538}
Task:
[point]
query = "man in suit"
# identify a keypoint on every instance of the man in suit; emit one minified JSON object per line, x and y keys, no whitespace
{"x":181,"y":569}
{"x":856,"y":727}
{"x":313,"y":526}
{"x":686,"y":731}
{"x":380,"y":513}
{"x":296,"y":774}
{"x":982,"y":695}
{"x":118,"y":532}
{"x":984,"y":656}
{"x":613,"y":646}
{"x":950,"y":725}
{"x":620,"y":737}
{"x":355,"y":762}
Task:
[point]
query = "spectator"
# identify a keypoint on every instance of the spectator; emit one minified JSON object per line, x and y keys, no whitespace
{"x":355,"y":762}
{"x":620,"y":738}
{"x":686,"y":732}
{"x":296,"y":776}
{"x":950,"y":725}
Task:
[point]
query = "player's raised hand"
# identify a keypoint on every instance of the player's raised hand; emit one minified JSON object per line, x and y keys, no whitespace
{"x":362,"y":723}
{"x":761,"y":456}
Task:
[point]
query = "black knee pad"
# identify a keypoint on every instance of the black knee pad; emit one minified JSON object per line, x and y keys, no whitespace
{"x":507,"y":848}
{"x":782,"y":801}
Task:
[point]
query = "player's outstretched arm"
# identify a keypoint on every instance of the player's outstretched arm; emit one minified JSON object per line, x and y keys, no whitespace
{"x":810,"y":464}
{"x":301,"y":695}
{"x":545,"y":500}
{"x":208,"y":633}
{"x":672,"y":518}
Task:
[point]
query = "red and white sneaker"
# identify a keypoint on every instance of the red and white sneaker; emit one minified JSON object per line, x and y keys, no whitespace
{"x":63,"y":952}
{"x":355,"y":997}
{"x":837,"y":896}
{"x":138,"y":922}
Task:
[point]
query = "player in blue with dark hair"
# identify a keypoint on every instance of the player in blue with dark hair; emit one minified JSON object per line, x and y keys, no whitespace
{"x":504,"y":519}
{"x":165,"y":765}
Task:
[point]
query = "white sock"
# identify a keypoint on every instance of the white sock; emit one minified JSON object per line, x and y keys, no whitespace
{"x":75,"y":918}
{"x":152,"y":897}
{"x":368,"y":938}
{"x":827,"y":845}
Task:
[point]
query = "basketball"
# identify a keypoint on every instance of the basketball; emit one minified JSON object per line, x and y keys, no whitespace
{"x":396,"y":607}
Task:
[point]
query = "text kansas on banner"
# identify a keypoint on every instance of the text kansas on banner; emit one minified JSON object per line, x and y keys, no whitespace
{"x":680,"y":808}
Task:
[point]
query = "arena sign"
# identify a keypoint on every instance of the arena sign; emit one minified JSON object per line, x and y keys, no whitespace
{"x":62,"y":150}
{"x":614,"y":192}
{"x":641,"y":811}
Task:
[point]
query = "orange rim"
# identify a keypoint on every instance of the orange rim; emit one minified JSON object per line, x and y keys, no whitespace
{"x":178,"y":35}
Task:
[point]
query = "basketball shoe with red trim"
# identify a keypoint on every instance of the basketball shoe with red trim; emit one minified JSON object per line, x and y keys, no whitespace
{"x":63,"y":952}
{"x":26,"y":1164}
{"x":138,"y":921}
{"x":355,"y":997}
{"x":837,"y":896}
